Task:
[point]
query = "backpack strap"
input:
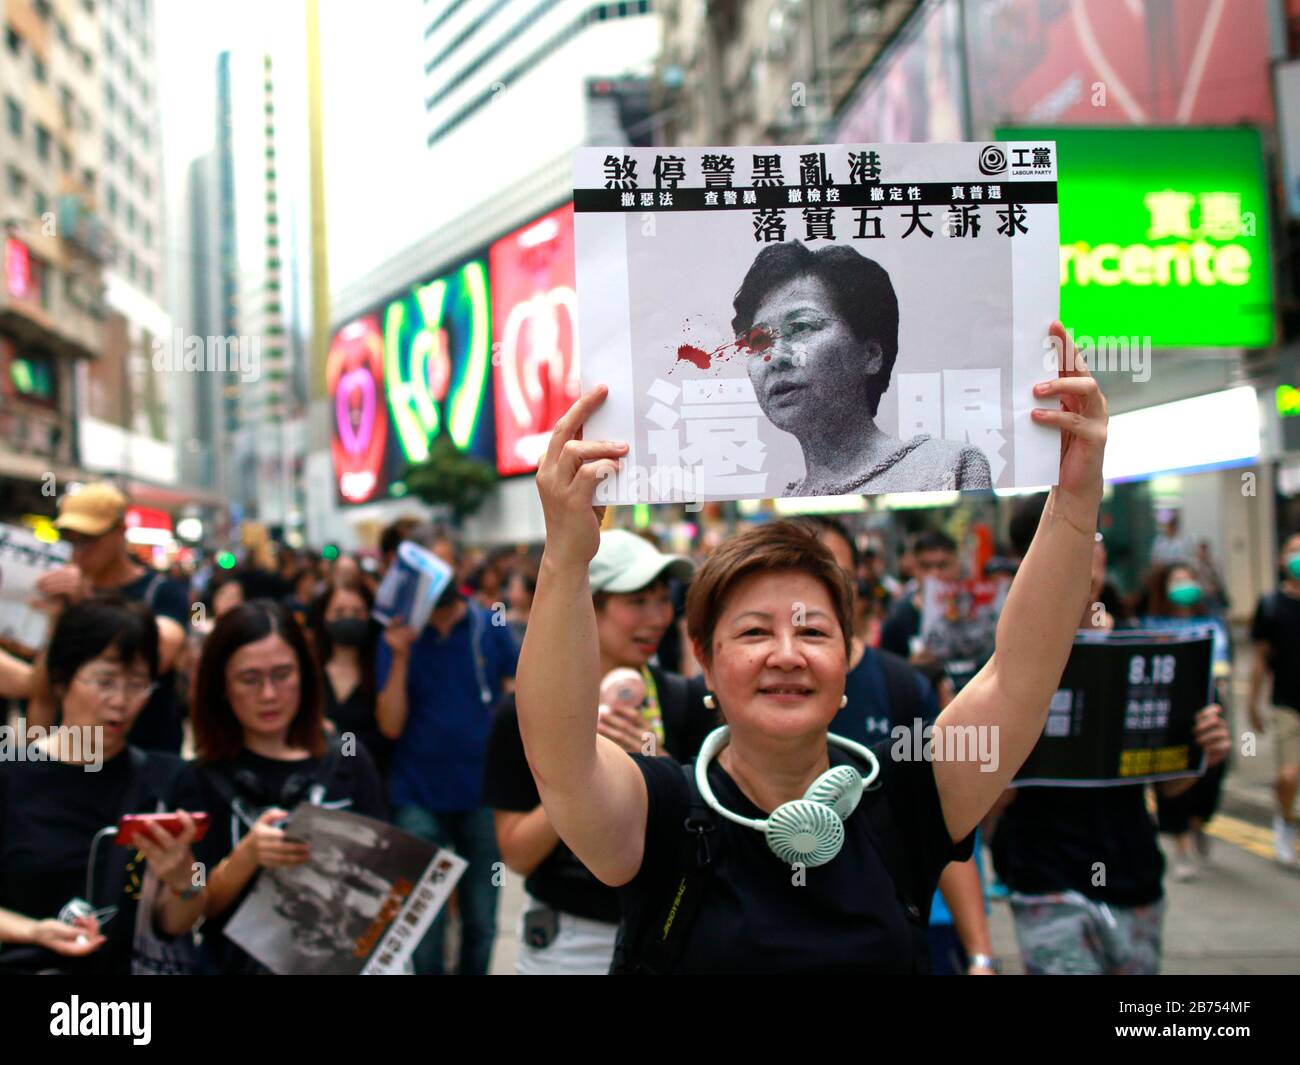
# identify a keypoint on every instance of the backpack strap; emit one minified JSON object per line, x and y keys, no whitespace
{"x":151,"y":591}
{"x":674,"y":699}
{"x":664,"y":924}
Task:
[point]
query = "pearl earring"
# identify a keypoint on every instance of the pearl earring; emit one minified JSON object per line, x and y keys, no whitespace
{"x":710,"y":703}
{"x":844,"y":701}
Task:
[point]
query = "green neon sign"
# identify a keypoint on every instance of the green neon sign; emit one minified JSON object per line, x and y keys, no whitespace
{"x":1287,"y":398}
{"x":437,"y":359}
{"x":1164,"y":234}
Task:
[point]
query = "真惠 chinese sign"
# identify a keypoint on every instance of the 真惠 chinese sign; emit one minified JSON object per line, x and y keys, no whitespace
{"x":818,"y":320}
{"x":1164,"y":234}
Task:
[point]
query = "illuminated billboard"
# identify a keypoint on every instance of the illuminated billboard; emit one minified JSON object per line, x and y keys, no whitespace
{"x":437,"y":362}
{"x":354,"y":378}
{"x":1164,"y":234}
{"x":534,"y":332}
{"x":417,"y":366}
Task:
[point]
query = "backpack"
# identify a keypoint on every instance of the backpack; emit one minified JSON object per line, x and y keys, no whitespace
{"x":653,"y":942}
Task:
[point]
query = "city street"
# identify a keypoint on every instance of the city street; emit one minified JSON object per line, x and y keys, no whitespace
{"x":1241,"y":916}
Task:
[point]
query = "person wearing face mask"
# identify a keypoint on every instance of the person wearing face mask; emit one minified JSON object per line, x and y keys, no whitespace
{"x":1176,"y":599}
{"x":74,"y":783}
{"x":344,"y":639}
{"x":262,"y":749}
{"x":1276,"y":632}
{"x":570,"y":919}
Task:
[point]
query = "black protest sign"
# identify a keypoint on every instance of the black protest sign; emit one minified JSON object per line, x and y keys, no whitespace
{"x":1124,"y":711}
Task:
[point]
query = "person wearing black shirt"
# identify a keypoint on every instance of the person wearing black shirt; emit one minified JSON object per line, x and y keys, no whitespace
{"x":770,"y":618}
{"x":344,"y":638}
{"x":884,"y":693}
{"x":262,"y":749}
{"x":570,"y":920}
{"x":1084,"y":864}
{"x":93,"y":521}
{"x":76,"y":782}
{"x":1276,"y":632}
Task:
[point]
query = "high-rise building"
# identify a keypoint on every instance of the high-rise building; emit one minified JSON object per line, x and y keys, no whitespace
{"x":128,"y":422}
{"x":237,"y":290}
{"x":54,"y":241}
{"x":511,"y":87}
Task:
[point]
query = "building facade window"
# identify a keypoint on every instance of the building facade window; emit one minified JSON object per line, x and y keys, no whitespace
{"x":13,"y":116}
{"x":43,"y":142}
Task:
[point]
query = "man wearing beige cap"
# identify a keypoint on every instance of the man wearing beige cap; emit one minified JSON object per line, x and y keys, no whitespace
{"x":93,"y":521}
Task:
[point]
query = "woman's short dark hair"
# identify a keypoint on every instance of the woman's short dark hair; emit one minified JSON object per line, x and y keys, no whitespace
{"x":218,"y":735}
{"x":768,"y":548}
{"x":101,"y":624}
{"x":861,"y":293}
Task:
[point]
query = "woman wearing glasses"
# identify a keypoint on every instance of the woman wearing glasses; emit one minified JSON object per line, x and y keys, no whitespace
{"x":259,"y":730}
{"x":75,"y":781}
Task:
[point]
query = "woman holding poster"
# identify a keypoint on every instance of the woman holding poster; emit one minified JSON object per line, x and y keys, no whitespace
{"x":758,"y":858}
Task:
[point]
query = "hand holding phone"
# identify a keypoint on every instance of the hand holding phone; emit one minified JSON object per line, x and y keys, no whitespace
{"x":130,"y":827}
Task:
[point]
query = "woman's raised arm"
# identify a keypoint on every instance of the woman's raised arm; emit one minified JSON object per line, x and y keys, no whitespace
{"x":593,"y":793}
{"x":1010,"y":695}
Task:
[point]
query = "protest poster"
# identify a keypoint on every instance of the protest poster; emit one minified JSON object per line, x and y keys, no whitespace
{"x":959,"y":623}
{"x":818,"y":320}
{"x":23,"y":558}
{"x":1125,"y":710}
{"x":359,"y":905}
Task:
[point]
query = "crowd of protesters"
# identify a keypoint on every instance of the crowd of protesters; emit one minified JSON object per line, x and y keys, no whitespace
{"x":241,"y":693}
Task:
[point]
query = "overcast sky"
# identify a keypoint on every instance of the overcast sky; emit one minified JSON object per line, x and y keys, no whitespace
{"x":375,"y":156}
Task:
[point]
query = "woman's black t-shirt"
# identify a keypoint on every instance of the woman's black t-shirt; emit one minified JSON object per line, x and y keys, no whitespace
{"x":258,"y":784}
{"x":49,"y":815}
{"x":561,"y":881}
{"x":757,"y":914}
{"x":1100,"y":842}
{"x":356,"y":714}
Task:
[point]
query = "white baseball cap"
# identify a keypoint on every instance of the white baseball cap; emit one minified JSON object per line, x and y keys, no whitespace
{"x":627,"y":563}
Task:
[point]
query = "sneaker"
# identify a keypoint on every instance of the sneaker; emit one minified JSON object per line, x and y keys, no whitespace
{"x":1185,"y":868}
{"x":1284,"y":840}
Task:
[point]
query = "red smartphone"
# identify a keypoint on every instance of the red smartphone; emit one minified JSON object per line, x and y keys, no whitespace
{"x":130,"y":825}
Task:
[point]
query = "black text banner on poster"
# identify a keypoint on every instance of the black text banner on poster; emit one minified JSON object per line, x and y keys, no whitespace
{"x":929,"y":194}
{"x":818,"y":320}
{"x":1124,"y":711}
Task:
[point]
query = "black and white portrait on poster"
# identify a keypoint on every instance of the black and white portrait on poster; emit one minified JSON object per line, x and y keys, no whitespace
{"x":818,"y":320}
{"x":359,"y":905}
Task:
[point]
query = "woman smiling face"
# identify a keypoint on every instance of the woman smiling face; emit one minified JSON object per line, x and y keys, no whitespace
{"x":779,"y":659}
{"x":815,"y":373}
